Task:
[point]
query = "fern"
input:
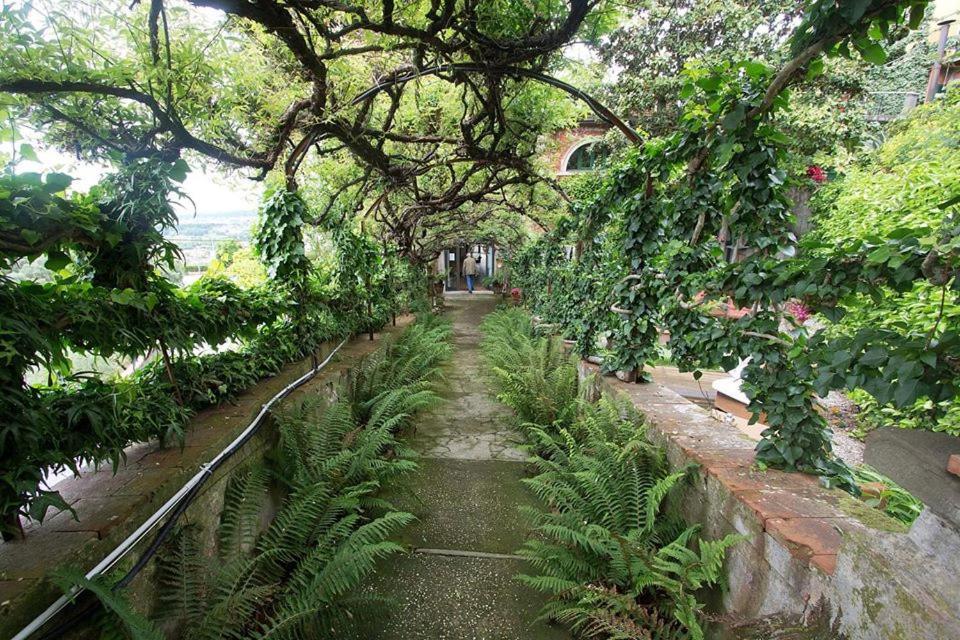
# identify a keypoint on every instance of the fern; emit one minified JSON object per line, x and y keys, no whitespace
{"x":118,"y":618}
{"x":242,"y":503}
{"x":615,"y":562}
{"x":300,"y":577}
{"x":180,"y":573}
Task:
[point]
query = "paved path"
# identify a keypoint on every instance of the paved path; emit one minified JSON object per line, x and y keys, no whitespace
{"x":458,"y":582}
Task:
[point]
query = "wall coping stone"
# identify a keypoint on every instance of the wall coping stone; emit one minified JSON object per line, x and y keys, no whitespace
{"x":808,"y":546}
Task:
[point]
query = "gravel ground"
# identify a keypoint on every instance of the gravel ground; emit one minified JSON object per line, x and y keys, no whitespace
{"x":841,"y":414}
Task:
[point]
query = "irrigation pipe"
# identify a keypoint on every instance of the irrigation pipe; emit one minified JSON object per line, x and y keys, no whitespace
{"x":177,"y":505}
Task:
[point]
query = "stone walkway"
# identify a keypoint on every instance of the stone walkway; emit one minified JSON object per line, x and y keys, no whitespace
{"x":458,"y":581}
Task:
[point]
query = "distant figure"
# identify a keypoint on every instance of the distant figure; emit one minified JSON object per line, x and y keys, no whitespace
{"x":469,"y":269}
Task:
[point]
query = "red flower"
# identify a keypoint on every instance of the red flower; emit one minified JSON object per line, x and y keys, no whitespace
{"x":817,"y":174}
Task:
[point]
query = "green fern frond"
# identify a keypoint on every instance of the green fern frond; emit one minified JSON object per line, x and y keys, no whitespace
{"x":120,"y":619}
{"x":240,"y":517}
{"x":180,"y":575}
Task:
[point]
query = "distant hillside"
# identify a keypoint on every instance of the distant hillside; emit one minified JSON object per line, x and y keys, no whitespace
{"x":198,"y":235}
{"x":206,"y":228}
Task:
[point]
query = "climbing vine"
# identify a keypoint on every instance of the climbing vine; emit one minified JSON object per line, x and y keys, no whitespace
{"x":108,"y":299}
{"x":675,"y":202}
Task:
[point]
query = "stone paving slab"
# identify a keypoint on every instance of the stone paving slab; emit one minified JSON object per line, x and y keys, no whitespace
{"x":465,"y":504}
{"x":699,"y":391}
{"x":466,"y":495}
{"x":458,"y":598}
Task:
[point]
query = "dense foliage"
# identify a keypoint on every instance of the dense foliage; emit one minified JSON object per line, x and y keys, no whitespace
{"x":423,"y":116}
{"x":300,"y":577}
{"x":828,"y":115}
{"x":670,"y":207}
{"x":614,"y":559}
{"x":108,"y":299}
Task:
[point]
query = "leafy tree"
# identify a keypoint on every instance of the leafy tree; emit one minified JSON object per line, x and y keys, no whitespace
{"x":662,"y":36}
{"x":901,"y":185}
{"x":243,"y":268}
{"x":670,"y":201}
{"x":268,"y":83}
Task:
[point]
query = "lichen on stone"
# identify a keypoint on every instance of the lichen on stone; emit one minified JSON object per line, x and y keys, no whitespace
{"x":870,"y":517}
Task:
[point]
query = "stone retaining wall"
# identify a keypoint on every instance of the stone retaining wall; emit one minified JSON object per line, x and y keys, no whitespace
{"x":810,"y":551}
{"x":111,"y":506}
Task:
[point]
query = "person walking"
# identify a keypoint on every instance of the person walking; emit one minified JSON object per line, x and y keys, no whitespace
{"x":469,"y":269}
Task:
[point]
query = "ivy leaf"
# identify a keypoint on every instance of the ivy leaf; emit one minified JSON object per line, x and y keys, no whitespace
{"x":874,"y":357}
{"x":30,"y":236}
{"x":57,"y":260}
{"x":871,"y":51}
{"x":853,"y":10}
{"x":755,"y":69}
{"x":879,"y":255}
{"x":733,"y":118}
{"x":45,"y":500}
{"x":57,"y":182}
{"x":906,"y":392}
{"x":709,"y":84}
{"x":124,"y":297}
{"x":27,"y":152}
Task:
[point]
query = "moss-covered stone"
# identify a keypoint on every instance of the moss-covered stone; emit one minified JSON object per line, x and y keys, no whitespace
{"x":870,"y":517}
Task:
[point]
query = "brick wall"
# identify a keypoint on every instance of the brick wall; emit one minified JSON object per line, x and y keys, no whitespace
{"x":563,"y":142}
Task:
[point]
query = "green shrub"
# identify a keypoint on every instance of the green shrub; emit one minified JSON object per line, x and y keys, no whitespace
{"x":893,"y":500}
{"x":532,"y":374}
{"x":901,"y":184}
{"x":943,"y":417}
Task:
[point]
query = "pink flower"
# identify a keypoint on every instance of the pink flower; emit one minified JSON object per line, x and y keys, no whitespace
{"x":817,"y":174}
{"x":799,"y":311}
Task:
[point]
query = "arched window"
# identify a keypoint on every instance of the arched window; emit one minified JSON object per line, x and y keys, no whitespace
{"x":583,"y":158}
